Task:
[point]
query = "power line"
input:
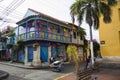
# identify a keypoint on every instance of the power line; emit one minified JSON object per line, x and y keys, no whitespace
{"x":16,"y":12}
{"x":12,"y":8}
{"x":5,"y":12}
{"x":13,"y":15}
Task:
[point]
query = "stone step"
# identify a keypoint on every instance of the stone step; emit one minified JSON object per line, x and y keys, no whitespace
{"x":110,"y":65}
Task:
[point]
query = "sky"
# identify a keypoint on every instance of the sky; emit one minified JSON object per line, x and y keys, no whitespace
{"x":59,"y":9}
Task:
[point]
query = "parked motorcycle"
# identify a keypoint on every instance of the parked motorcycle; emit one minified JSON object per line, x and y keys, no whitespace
{"x":57,"y":66}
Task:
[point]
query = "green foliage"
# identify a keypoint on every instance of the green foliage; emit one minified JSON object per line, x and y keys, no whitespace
{"x":96,"y":47}
{"x":85,"y":46}
{"x":93,"y":10}
{"x":72,"y":53}
{"x":11,"y":33}
{"x":81,"y":31}
{"x":15,"y":48}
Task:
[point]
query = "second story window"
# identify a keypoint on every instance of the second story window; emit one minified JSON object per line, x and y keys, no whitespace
{"x":81,"y":37}
{"x":102,"y":42}
{"x":43,"y":25}
{"x":74,"y":35}
{"x":53,"y":28}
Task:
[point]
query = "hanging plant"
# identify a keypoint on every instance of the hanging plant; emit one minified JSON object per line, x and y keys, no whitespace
{"x":11,"y":33}
{"x":64,"y":30}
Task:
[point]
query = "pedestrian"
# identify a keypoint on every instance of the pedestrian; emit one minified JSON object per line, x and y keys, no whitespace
{"x":88,"y":62}
{"x":52,"y":59}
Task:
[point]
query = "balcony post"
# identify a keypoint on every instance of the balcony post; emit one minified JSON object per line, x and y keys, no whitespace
{"x":26,"y":29}
{"x":71,"y":36}
{"x":35,"y":28}
{"x":18,"y":30}
{"x":47,"y":30}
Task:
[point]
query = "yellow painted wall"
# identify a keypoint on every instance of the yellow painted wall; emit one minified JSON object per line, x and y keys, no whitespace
{"x":110,"y":34}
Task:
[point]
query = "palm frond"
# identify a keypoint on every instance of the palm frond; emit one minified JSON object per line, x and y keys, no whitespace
{"x":95,"y":18}
{"x":96,"y":21}
{"x":89,"y":15}
{"x":80,"y":17}
{"x":96,"y":7}
{"x":106,"y":12}
{"x":112,"y":2}
{"x":92,"y":9}
{"x":75,"y":9}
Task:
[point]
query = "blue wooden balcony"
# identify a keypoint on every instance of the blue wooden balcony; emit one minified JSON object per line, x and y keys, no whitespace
{"x":42,"y":35}
{"x":2,"y":46}
{"x":10,"y":41}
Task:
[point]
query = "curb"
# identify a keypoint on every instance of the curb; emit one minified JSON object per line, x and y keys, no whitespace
{"x":3,"y":75}
{"x":23,"y":67}
{"x":9,"y":64}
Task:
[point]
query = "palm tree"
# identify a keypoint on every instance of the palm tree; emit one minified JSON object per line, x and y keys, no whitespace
{"x":91,"y":10}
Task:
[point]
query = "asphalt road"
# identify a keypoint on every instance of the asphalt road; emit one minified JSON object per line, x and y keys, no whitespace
{"x":34,"y":74}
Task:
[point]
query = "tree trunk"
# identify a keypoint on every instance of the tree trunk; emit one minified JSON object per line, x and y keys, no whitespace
{"x":91,"y":46}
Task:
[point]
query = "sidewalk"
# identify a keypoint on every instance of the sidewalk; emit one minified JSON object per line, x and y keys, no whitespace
{"x":3,"y":75}
{"x":20,"y":65}
{"x":104,"y":74}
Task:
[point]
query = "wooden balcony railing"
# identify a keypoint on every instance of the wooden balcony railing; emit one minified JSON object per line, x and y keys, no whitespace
{"x":2,"y":46}
{"x":42,"y":35}
{"x":11,"y":41}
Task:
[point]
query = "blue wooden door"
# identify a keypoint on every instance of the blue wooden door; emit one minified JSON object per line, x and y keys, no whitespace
{"x":30,"y":53}
{"x":44,"y":53}
{"x":54,"y":52}
{"x":20,"y":56}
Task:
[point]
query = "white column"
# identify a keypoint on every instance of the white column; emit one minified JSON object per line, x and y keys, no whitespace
{"x":49,"y":53}
{"x":92,"y":53}
{"x":36,"y":56}
{"x":26,"y":55}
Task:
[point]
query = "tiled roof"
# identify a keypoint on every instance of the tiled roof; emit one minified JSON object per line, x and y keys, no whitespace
{"x":44,"y":16}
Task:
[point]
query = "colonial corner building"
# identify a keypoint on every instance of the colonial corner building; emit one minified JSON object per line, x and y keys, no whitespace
{"x":110,"y":36}
{"x":42,"y":36}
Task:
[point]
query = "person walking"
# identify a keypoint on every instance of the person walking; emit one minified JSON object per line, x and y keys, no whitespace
{"x":88,"y":62}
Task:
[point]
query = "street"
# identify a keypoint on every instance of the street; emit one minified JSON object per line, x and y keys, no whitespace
{"x":34,"y":74}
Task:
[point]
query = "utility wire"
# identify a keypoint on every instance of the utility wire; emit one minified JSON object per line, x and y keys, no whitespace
{"x":12,"y":9}
{"x":47,"y":4}
{"x":16,"y":16}
{"x":15,"y":11}
{"x":8,"y":8}
{"x":5,"y":11}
